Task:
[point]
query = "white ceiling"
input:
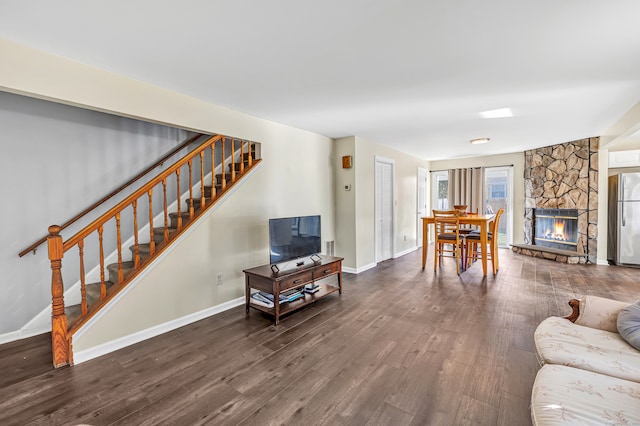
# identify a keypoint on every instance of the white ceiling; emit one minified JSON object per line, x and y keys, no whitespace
{"x":409,"y":74}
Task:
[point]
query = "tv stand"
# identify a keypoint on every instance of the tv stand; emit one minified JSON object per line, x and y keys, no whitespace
{"x":262,"y":278}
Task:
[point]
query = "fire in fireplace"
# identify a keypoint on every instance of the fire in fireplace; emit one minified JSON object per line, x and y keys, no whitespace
{"x":556,"y":228}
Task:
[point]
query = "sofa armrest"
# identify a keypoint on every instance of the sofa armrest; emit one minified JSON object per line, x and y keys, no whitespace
{"x":575,"y":306}
{"x":597,"y":312}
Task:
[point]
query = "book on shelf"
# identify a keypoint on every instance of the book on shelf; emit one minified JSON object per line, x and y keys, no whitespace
{"x":296,"y":296}
{"x":258,"y":300}
{"x":291,"y":295}
{"x":269,"y":296}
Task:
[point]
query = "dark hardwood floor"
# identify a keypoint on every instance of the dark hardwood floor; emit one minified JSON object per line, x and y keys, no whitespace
{"x":401,"y":346}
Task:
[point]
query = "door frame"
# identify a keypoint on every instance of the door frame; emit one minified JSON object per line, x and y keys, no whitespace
{"x":423,"y":176}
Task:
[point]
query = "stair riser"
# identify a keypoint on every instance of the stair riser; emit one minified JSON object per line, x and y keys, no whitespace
{"x":219,"y":178}
{"x":113,"y":271}
{"x":143,"y":251}
{"x":237,"y":166}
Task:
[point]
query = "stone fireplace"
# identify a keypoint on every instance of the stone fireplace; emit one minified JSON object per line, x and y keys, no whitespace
{"x":561,"y":196}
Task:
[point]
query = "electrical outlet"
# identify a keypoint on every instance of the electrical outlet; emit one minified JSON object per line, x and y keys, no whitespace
{"x":219,"y":278}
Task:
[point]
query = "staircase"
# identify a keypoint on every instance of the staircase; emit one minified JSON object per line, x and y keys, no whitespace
{"x":213,"y":168}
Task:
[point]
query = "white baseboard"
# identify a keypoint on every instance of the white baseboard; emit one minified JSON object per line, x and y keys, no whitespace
{"x":602,"y":262}
{"x":407,"y":251}
{"x":360,"y":269}
{"x":20,"y":334}
{"x":373,"y":265}
{"x":10,"y":337}
{"x":122,"y":342}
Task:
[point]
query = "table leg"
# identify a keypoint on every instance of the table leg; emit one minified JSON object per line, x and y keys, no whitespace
{"x":494,"y":254}
{"x":483,"y":247}
{"x":247,"y":291}
{"x":276,"y":303}
{"x":425,"y":242}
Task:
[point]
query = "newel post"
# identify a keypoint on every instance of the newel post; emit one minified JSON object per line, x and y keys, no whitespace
{"x":58,"y":318}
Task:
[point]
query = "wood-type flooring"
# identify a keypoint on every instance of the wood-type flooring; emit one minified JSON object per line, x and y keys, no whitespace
{"x":401,"y":346}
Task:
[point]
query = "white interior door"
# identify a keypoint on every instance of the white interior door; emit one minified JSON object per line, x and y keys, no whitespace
{"x":384,"y":210}
{"x":422,"y":202}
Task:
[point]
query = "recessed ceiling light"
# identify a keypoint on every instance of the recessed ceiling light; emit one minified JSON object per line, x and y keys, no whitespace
{"x":479,"y":141}
{"x":497,"y":113}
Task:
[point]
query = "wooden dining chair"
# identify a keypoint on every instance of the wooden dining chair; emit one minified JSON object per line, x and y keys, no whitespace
{"x":448,"y":240}
{"x":472,"y":243}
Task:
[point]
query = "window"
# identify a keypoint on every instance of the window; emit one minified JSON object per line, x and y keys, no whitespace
{"x":440,"y":190}
{"x":497,"y":190}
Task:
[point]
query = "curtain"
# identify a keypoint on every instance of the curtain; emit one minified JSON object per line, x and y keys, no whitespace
{"x":466,"y":186}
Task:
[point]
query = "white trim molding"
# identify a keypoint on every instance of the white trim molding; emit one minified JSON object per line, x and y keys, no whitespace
{"x":360,"y":269}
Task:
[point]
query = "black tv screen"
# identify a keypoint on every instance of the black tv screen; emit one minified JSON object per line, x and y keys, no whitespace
{"x":293,"y":237}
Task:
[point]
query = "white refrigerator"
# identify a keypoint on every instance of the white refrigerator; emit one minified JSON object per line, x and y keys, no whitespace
{"x":624,"y":219}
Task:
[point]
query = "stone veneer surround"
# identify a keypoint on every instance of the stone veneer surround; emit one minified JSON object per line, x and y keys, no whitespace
{"x":565,"y":176}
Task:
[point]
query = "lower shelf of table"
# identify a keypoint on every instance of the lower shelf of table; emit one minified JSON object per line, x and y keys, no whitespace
{"x":325,"y":290}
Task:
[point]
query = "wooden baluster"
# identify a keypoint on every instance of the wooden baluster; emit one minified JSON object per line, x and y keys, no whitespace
{"x":83,"y":288}
{"x":166,"y":213}
{"x":136,"y":247}
{"x":250,"y":154}
{"x":233,"y":159}
{"x":213,"y":171}
{"x":119,"y":242}
{"x":242,"y":156}
{"x":179,"y":208}
{"x":59,"y":341}
{"x":152,"y":240}
{"x":224,"y":173}
{"x":191,"y":189}
{"x":103,"y":285}
{"x":202,"y":199}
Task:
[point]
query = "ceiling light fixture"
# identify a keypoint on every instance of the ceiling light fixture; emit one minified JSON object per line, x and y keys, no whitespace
{"x":497,"y":113}
{"x":479,"y":141}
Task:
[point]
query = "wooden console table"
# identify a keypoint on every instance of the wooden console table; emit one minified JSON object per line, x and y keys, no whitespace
{"x":263,"y":279}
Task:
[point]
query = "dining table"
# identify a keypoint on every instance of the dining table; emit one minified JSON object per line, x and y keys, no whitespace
{"x":479,"y":220}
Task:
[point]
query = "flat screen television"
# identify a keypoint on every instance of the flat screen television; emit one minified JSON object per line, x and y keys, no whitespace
{"x":293,"y":238}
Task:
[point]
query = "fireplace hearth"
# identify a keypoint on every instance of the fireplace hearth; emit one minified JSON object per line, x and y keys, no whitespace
{"x":556,"y":228}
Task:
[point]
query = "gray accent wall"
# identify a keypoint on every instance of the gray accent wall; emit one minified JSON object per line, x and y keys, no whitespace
{"x":56,"y":160}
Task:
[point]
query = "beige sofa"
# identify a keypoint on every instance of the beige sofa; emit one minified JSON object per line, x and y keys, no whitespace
{"x":590,"y":375}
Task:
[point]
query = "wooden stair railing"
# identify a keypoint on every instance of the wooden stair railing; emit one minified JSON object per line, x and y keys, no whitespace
{"x":67,"y":320}
{"x":160,"y":162}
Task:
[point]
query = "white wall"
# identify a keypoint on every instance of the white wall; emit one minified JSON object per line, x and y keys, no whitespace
{"x":517,"y":160}
{"x":361,"y":253}
{"x":297,"y":178}
{"x":345,"y":201}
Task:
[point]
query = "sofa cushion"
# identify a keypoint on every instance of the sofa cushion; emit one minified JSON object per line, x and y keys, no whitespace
{"x":598,"y":312}
{"x":570,"y":396}
{"x":629,"y":324}
{"x":559,"y":341}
